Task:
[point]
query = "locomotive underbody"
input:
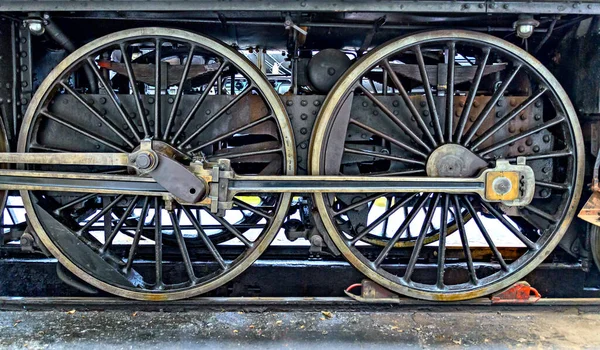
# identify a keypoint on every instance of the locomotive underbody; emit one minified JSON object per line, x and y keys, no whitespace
{"x":443,"y":148}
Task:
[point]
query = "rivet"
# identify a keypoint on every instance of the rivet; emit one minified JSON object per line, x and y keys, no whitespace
{"x":544,"y":193}
{"x":498,"y":115}
{"x":475,"y":103}
{"x":303,"y":131}
{"x":178,"y":112}
{"x":500,"y":103}
{"x":99,"y":125}
{"x":529,"y":142}
{"x":546,"y":138}
{"x":375,"y":113}
{"x":422,"y":103}
{"x":537,"y":117}
{"x":97,"y":146}
{"x":151,"y":100}
{"x":303,"y":145}
{"x":228,"y":112}
{"x":513,"y":102}
{"x":538,"y":104}
{"x":365,"y":104}
{"x":396,"y":112}
{"x":521,"y":149}
{"x":317,"y":103}
{"x":207,"y":112}
{"x":303,"y":116}
{"x":461,"y":103}
{"x":364,"y":136}
{"x":523,"y":116}
{"x":170,"y":100}
{"x":304,"y":102}
{"x":511,"y":129}
{"x":102,"y":100}
{"x":426,"y":113}
{"x":536,"y":149}
{"x":289,"y":102}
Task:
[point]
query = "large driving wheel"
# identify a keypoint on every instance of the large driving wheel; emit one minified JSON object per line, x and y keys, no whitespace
{"x":168,"y":85}
{"x":447,"y":103}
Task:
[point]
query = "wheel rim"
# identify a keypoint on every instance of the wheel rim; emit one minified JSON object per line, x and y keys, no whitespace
{"x":269,"y":134}
{"x":466,"y":45}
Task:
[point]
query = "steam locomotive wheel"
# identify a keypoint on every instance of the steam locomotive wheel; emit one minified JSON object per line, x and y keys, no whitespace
{"x":390,"y":115}
{"x":195,"y":96}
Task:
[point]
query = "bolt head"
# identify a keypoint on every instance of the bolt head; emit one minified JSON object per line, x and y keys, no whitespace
{"x":143,"y":161}
{"x":501,"y":185}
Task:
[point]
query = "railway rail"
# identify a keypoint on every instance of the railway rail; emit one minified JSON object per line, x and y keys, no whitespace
{"x":158,"y":151}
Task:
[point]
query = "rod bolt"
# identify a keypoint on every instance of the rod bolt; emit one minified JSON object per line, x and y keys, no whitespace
{"x":143,"y":161}
{"x":501,"y":185}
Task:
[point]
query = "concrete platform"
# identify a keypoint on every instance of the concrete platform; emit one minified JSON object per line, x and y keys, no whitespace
{"x":368,"y":327}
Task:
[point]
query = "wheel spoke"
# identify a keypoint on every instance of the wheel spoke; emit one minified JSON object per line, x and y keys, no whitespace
{"x":382,"y":156}
{"x":119,"y":224}
{"x":407,"y":221}
{"x":542,"y":214}
{"x":199,"y":101}
{"x":520,"y":136}
{"x":414,"y":256}
{"x":490,"y":105}
{"x":246,"y":154}
{"x":360,"y":203}
{"x":157,"y":87}
{"x":185,"y":255}
{"x":248,"y":207}
{"x":388,"y":138}
{"x":231,"y":229}
{"x":510,"y":116}
{"x":555,"y":154}
{"x":395,"y":119}
{"x":179,"y":93}
{"x":209,"y":244}
{"x":134,"y":88}
{"x":97,"y":115}
{"x":462,"y":122}
{"x":485,"y":234}
{"x":399,"y":204}
{"x":82,"y":132}
{"x":528,"y":243}
{"x":411,"y":107}
{"x":99,"y":215}
{"x":553,"y":185}
{"x":219,"y":113}
{"x":158,"y":244}
{"x":441,"y":258}
{"x":450,"y":90}
{"x":138,"y":234}
{"x":435,"y":118}
{"x":230,"y":133}
{"x":464,"y":240}
{"x":114,"y":99}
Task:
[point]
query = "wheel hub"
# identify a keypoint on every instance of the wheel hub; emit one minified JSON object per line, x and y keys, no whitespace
{"x":452,"y":160}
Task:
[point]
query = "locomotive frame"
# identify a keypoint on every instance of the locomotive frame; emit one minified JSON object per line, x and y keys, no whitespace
{"x":81,"y":171}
